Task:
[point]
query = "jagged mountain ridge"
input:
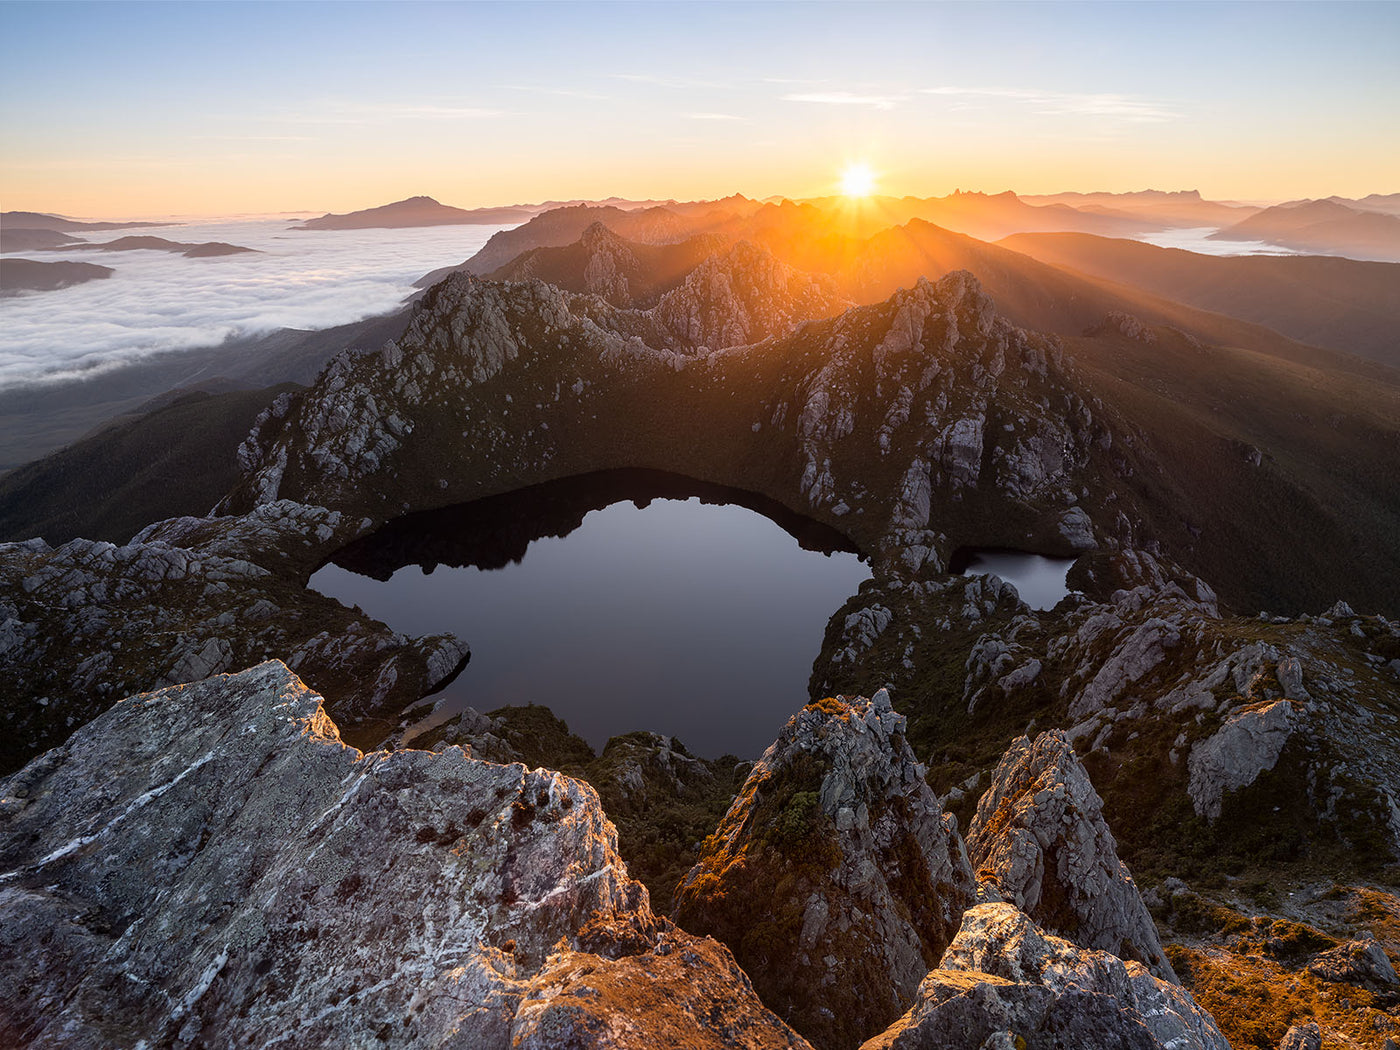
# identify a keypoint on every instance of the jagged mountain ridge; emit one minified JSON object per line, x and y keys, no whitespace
{"x":525,"y":929}
{"x":842,"y":389}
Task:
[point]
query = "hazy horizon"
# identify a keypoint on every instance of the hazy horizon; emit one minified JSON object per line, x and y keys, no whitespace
{"x":149,"y":110}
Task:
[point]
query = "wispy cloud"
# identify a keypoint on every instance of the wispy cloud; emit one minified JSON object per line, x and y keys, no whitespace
{"x":592,"y":96}
{"x":713,"y":116}
{"x":847,"y":98}
{"x":1129,"y":108}
{"x":667,"y":81}
{"x":254,"y":138}
{"x":353,"y":113}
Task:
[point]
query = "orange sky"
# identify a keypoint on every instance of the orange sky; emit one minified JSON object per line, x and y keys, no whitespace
{"x":145,"y":110}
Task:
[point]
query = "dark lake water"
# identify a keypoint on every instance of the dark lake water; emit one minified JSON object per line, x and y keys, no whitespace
{"x":1040,"y":580}
{"x":683,"y":612}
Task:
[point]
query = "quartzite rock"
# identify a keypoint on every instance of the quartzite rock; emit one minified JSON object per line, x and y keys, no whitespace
{"x":1361,"y":961}
{"x":1040,"y":833}
{"x":1005,"y":983}
{"x":835,"y":877}
{"x":188,"y":598}
{"x":209,"y":864}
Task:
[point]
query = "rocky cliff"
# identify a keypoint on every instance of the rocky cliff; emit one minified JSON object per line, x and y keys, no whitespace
{"x":835,"y":877}
{"x":211,"y":864}
{"x":1040,"y":836}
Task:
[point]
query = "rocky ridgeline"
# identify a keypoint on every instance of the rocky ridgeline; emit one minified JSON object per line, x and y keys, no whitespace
{"x":89,"y":622}
{"x":743,"y":296}
{"x":1182,"y":710}
{"x":835,"y":877}
{"x":209,"y":864}
{"x":866,"y":421}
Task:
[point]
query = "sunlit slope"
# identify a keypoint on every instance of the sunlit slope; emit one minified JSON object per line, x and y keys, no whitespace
{"x":1265,"y":474}
{"x":1324,"y":300}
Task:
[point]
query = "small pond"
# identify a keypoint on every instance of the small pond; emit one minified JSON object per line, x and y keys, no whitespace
{"x":623,"y":600}
{"x":1039,"y":579}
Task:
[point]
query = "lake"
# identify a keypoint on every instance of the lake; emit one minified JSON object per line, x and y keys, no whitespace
{"x":1039,"y":580}
{"x":623,"y":600}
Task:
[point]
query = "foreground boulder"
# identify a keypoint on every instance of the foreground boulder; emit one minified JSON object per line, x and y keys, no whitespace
{"x":210,"y":864}
{"x":1040,"y":835}
{"x":1004,"y":982}
{"x":835,"y":878}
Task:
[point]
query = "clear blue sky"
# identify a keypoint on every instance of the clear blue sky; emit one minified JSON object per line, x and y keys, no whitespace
{"x":156,"y":108}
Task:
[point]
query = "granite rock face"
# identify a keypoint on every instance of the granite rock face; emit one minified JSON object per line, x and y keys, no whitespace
{"x":1040,"y":835}
{"x":87,"y":623}
{"x":835,"y":877}
{"x":1006,"y":983}
{"x":1249,"y":743}
{"x":209,"y":863}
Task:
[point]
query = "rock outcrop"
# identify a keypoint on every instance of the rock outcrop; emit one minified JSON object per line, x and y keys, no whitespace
{"x":87,"y":623}
{"x":1361,"y":962}
{"x":1005,"y":983}
{"x":1040,"y":835}
{"x":210,"y":864}
{"x":835,"y":877}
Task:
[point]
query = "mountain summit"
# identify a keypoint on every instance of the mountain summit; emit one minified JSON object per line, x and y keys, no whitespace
{"x":415,"y":211}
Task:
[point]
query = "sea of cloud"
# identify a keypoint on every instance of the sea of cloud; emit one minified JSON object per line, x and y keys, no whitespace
{"x":1197,"y":239}
{"x":159,"y":301}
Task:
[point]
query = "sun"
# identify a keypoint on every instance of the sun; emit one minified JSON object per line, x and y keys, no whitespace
{"x":857,"y":180}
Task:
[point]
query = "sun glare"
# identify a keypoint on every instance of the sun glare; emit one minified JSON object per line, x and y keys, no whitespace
{"x":857,"y":180}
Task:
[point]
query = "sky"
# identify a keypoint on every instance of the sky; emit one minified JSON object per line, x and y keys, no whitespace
{"x":121,"y":110}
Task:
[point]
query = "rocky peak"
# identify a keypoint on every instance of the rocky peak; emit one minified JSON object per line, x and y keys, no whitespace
{"x":211,"y":863}
{"x":1040,"y":836}
{"x":743,"y":296}
{"x":1005,"y":983}
{"x":835,"y":877}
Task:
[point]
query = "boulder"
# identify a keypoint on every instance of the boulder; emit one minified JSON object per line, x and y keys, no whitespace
{"x":1302,"y":1037}
{"x":1004,"y":982}
{"x":1249,"y":743}
{"x":1040,"y":834}
{"x":1361,"y":961}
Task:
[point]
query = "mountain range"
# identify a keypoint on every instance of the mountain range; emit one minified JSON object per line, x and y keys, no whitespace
{"x":1160,"y":814}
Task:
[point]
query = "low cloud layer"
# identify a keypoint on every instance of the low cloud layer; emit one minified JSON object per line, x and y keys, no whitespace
{"x":159,"y":301}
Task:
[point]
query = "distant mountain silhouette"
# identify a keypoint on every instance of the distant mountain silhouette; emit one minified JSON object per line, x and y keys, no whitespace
{"x":1175,"y":208}
{"x":159,"y":244}
{"x":986,"y":216}
{"x":26,"y":239}
{"x":26,"y":275}
{"x":31,"y":220}
{"x":1323,"y":226}
{"x":415,"y":211}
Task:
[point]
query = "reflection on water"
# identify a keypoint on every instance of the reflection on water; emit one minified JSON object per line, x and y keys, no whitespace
{"x":696,"y":620}
{"x":1039,"y":580}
